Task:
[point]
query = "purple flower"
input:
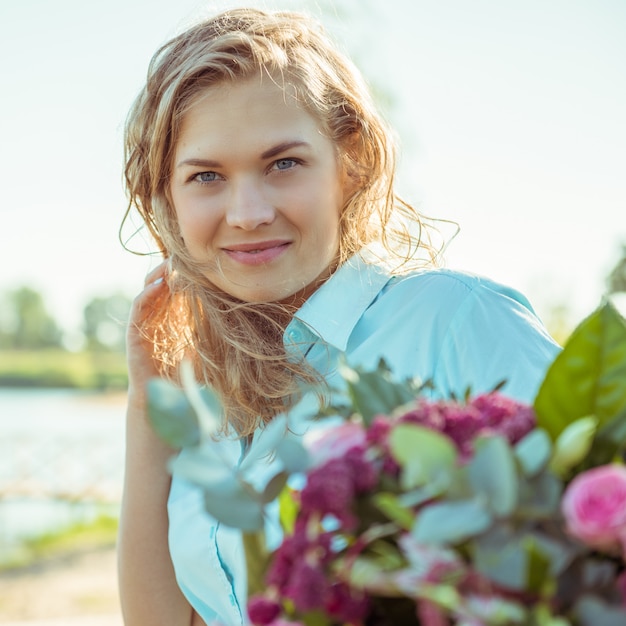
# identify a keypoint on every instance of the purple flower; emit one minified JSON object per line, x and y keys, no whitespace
{"x":308,"y":587}
{"x":346,"y":604}
{"x":262,"y":611}
{"x":329,"y":490}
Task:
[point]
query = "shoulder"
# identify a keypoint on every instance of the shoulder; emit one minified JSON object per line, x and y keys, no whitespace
{"x":452,"y":290}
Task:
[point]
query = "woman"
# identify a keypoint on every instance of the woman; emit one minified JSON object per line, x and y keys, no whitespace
{"x":265,"y":174}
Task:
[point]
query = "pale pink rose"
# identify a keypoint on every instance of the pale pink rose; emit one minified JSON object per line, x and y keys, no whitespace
{"x":334,"y":442}
{"x":594,"y":506}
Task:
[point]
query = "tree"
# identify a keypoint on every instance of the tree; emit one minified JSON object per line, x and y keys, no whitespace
{"x":26,"y":324}
{"x":105,"y":322}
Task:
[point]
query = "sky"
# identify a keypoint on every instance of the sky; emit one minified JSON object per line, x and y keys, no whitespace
{"x":509,"y":114}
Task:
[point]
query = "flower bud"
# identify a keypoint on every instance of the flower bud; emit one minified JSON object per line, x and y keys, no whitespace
{"x":573,"y":444}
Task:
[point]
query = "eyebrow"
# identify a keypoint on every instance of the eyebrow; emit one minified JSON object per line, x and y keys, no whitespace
{"x":268,"y":154}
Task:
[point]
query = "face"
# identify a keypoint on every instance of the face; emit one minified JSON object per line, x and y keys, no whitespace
{"x":258,"y":191}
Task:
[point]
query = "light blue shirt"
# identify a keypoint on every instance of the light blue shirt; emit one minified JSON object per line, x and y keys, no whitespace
{"x":455,"y":329}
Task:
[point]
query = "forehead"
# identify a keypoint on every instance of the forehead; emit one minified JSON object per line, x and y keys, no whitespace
{"x":256,"y":110}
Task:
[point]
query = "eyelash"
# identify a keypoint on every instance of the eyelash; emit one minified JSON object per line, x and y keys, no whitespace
{"x":272,"y":167}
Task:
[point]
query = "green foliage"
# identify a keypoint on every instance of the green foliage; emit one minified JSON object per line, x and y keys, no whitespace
{"x":27,"y":324}
{"x":376,"y":392}
{"x":105,"y":321}
{"x":60,"y":368}
{"x":100,"y":532}
{"x":425,"y":456}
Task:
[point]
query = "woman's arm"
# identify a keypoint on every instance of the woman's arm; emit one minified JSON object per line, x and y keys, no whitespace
{"x":149,"y":593}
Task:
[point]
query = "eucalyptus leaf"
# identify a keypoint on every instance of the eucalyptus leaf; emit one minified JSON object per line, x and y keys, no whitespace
{"x":265,"y":442}
{"x":204,"y":466}
{"x":376,"y":392}
{"x":492,"y":474}
{"x":588,"y":377}
{"x":274,"y":487}
{"x":171,"y":415}
{"x":238,"y":509}
{"x":533,"y":451}
{"x":425,"y":456}
{"x":500,"y":556}
{"x":443,"y":523}
{"x":293,"y":455}
{"x":540,"y":496}
{"x":592,"y":611}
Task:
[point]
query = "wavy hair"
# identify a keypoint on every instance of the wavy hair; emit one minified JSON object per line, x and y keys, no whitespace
{"x":237,"y":348}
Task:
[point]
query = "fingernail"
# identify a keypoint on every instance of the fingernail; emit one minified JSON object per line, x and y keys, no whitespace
{"x":158,"y":281}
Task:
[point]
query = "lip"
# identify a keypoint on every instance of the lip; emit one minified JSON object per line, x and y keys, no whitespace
{"x":257,"y":253}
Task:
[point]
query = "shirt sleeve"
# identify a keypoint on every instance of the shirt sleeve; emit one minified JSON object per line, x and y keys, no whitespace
{"x":494,"y":335}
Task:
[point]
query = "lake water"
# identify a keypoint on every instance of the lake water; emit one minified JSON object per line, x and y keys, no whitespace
{"x":61,"y":459}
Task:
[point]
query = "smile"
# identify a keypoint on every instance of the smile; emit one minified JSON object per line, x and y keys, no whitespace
{"x":257,"y":253}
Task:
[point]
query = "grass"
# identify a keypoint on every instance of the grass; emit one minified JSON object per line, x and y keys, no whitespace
{"x":77,"y":537}
{"x":60,"y":368}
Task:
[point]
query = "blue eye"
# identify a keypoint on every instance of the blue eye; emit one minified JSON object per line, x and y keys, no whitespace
{"x":206,"y":177}
{"x":285,"y":164}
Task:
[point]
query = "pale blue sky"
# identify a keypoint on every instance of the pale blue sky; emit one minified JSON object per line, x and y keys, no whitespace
{"x":510,"y":114}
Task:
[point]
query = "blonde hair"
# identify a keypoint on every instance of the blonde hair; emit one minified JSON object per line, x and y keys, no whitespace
{"x":237,"y":348}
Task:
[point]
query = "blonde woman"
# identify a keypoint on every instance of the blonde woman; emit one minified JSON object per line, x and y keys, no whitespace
{"x":265,"y":174}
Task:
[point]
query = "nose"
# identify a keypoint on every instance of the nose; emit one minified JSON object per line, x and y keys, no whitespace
{"x":248,"y":207}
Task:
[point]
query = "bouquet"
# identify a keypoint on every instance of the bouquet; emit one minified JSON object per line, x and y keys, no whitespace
{"x":469,"y":511}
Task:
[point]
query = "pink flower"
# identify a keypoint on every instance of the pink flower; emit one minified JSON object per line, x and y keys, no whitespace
{"x":334,"y":442}
{"x":594,"y":506}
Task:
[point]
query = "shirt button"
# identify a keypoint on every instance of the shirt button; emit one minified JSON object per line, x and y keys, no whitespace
{"x":295,"y":336}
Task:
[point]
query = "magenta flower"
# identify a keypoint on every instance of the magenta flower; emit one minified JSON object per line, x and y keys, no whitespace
{"x":594,"y":507}
{"x":263,"y":611}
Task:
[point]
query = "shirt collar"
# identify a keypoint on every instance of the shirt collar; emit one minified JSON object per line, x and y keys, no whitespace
{"x":333,"y":311}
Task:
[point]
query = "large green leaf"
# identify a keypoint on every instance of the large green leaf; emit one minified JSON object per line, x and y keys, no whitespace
{"x":588,"y":377}
{"x":425,"y":456}
{"x":171,"y":414}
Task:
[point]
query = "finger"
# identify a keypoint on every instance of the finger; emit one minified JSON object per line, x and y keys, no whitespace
{"x":159,"y":272}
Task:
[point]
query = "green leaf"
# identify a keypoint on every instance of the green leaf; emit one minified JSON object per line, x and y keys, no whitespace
{"x":238,"y":509}
{"x":274,"y":487}
{"x":293,"y":455}
{"x":510,"y":559}
{"x":265,"y":442}
{"x":588,"y":377}
{"x":444,"y":523}
{"x":540,"y":496}
{"x":287,"y":509}
{"x":533,"y":451}
{"x":171,"y":414}
{"x":376,"y":393}
{"x":592,"y":611}
{"x":390,"y":506}
{"x":492,"y":474}
{"x":205,"y":467}
{"x":424,"y":455}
